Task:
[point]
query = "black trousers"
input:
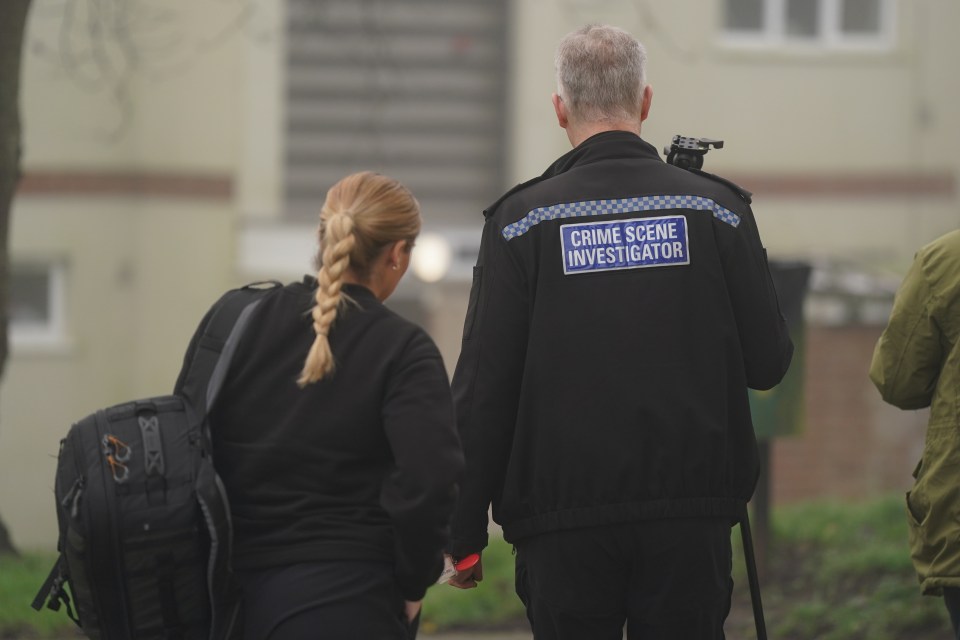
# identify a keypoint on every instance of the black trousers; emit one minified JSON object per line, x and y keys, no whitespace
{"x":663,"y":579}
{"x":341,"y":600}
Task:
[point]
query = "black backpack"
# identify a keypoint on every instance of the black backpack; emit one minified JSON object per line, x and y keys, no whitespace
{"x":145,"y":532}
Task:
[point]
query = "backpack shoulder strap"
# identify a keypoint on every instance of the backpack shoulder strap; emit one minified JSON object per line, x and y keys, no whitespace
{"x":201,"y":378}
{"x":211,"y":349}
{"x":54,"y":592}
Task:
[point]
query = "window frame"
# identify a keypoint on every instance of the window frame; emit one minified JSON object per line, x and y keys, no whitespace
{"x":829,"y":35}
{"x":50,"y":333}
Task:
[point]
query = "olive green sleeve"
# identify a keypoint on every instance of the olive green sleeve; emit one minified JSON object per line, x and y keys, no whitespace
{"x":908,"y":356}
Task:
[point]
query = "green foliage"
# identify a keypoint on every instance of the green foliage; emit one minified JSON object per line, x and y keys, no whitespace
{"x":20,"y":578}
{"x":842,"y":524}
{"x":843,"y":572}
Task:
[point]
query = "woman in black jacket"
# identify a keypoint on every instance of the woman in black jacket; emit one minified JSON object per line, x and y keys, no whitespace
{"x":334,"y":436}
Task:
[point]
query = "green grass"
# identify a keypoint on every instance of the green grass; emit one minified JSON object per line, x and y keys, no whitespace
{"x":834,"y":572}
{"x":20,"y":578}
{"x":843,"y":572}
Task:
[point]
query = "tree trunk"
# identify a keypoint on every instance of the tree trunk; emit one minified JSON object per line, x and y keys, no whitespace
{"x":13,"y":18}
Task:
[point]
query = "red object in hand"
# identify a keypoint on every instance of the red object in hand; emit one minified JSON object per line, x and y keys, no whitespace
{"x":466,"y":562}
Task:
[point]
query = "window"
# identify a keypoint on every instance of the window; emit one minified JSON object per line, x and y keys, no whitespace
{"x":744,"y":15}
{"x":411,"y":88}
{"x":861,"y":17}
{"x":802,"y":19}
{"x":36,"y":304}
{"x":819,"y":23}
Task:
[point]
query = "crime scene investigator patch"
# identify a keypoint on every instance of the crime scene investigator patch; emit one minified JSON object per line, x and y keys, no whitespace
{"x":624,"y":244}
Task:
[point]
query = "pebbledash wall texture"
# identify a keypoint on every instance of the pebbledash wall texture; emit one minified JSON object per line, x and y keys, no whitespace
{"x":853,"y":445}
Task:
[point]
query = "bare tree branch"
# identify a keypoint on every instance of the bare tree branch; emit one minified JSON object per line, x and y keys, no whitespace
{"x":104,"y":45}
{"x":13,"y":17}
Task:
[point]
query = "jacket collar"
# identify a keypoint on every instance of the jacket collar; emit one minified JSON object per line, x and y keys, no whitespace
{"x":606,"y":145}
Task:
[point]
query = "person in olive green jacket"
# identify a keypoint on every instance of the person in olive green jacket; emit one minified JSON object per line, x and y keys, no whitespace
{"x":916,"y":364}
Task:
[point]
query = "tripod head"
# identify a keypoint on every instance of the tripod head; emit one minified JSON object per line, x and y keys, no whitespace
{"x":687,"y":153}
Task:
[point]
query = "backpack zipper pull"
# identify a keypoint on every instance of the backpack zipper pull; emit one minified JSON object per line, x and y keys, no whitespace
{"x":71,"y":500}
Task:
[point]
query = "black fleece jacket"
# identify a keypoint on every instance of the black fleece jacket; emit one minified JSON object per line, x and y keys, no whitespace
{"x":620,"y":309}
{"x":362,"y":465}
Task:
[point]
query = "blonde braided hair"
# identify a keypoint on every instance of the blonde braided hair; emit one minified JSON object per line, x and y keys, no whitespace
{"x":362,"y":214}
{"x":336,"y":258}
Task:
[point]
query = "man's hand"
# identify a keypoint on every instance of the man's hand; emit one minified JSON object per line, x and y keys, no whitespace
{"x":468,"y":578}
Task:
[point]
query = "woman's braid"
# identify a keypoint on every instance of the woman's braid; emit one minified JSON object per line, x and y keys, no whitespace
{"x":338,"y":242}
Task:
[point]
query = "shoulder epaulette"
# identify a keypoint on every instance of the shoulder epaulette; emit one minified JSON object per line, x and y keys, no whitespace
{"x":745,"y":195}
{"x":523,"y":185}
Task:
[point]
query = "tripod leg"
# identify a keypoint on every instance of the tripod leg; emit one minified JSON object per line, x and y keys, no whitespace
{"x":752,"y":579}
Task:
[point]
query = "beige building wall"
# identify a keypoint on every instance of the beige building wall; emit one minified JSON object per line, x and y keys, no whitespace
{"x":134,"y":199}
{"x":156,"y":204}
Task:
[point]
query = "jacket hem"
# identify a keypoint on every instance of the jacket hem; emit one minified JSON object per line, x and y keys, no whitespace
{"x":296,"y":554}
{"x":583,"y":517}
{"x":933,"y":586}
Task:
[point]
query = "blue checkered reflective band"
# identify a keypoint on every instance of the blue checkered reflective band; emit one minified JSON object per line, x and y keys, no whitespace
{"x":621,"y":205}
{"x":611,"y":245}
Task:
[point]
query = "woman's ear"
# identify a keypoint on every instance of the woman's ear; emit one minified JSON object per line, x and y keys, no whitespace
{"x":398,"y":251}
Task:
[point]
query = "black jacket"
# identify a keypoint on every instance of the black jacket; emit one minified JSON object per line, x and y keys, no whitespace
{"x":361,"y":465}
{"x":620,"y":308}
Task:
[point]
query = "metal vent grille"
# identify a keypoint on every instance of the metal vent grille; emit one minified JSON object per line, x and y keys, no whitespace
{"x":411,"y":88}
